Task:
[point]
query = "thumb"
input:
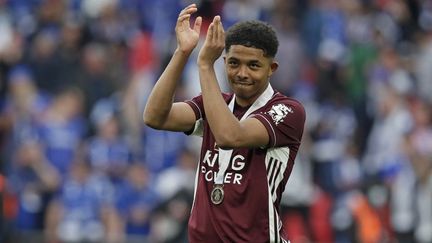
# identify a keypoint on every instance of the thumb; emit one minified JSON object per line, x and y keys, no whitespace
{"x":197,"y":25}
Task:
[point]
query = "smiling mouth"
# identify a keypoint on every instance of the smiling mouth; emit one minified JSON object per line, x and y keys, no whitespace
{"x":243,"y":83}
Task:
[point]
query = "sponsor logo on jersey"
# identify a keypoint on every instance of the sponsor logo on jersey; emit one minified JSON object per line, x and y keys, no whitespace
{"x":210,"y":168}
{"x":279,"y":112}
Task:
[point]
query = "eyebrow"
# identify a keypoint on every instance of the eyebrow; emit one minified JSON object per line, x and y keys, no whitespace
{"x":248,"y":61}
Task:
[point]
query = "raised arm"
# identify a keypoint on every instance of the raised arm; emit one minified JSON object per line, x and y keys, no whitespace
{"x":228,"y":131}
{"x":160,"y":112}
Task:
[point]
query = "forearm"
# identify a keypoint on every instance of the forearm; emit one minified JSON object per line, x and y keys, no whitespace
{"x":48,"y":175}
{"x":224,"y":125}
{"x":162,"y":96}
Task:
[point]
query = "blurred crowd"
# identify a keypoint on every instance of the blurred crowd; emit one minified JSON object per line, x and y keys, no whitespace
{"x":78,"y":165}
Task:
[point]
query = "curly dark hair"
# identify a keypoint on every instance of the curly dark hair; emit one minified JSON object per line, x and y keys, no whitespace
{"x":253,"y":33}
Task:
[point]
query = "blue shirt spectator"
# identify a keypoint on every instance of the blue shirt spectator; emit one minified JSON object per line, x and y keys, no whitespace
{"x":62,"y":129}
{"x":136,"y":199}
{"x":32,"y":180}
{"x":83,"y":206}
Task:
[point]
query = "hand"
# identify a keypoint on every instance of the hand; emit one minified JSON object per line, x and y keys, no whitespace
{"x":187,"y":38}
{"x":214,"y":43}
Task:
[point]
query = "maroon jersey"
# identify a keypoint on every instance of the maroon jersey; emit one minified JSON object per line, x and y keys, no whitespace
{"x":254,"y":179}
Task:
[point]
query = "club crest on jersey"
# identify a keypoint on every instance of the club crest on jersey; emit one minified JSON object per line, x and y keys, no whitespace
{"x":279,"y":112}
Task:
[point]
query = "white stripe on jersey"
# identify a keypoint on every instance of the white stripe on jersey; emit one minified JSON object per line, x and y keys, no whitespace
{"x":275,"y":224}
{"x":276,"y":163}
{"x":196,"y":185}
{"x":272,"y":228}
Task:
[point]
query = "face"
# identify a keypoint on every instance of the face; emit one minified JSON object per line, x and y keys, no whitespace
{"x":248,"y":72}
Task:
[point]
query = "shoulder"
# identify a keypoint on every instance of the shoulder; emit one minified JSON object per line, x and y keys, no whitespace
{"x":281,"y":106}
{"x":284,"y":119}
{"x":280,"y":98}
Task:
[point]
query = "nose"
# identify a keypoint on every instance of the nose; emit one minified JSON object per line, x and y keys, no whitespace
{"x":242,"y":72}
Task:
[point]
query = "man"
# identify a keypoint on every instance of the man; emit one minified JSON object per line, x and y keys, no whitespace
{"x":250,"y":137}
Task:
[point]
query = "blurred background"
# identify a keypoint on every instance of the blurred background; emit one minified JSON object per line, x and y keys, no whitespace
{"x":78,"y":165}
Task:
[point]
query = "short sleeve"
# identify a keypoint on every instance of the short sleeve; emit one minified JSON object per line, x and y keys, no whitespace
{"x":197,"y":106}
{"x":284,"y":120}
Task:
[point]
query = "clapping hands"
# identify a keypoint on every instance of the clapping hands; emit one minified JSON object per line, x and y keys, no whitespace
{"x":214,"y":43}
{"x":187,"y":37}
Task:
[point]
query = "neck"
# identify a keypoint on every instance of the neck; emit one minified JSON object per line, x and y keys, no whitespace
{"x":245,"y":102}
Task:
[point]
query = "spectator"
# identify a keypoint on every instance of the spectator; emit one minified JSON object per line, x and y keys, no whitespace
{"x":84,"y":208}
{"x":136,"y":201}
{"x":108,"y":152}
{"x":24,"y":107}
{"x":33,"y":180}
{"x":419,"y":150}
{"x":179,"y":177}
{"x":62,"y":129}
{"x":94,"y":79}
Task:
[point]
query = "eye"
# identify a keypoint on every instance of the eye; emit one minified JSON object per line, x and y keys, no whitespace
{"x":232,"y":63}
{"x":254,"y":65}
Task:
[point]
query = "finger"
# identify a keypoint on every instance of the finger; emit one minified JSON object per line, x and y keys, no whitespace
{"x":197,"y":24}
{"x":216,"y":21}
{"x":188,"y":12}
{"x":189,"y":9}
{"x":183,"y":18}
{"x":193,"y":5}
{"x":222,"y":33}
{"x":210,"y":32}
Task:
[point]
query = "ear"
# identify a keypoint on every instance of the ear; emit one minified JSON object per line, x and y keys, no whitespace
{"x":273,"y":67}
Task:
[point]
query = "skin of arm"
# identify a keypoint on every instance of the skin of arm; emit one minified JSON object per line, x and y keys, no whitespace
{"x":160,"y":112}
{"x":229,"y":132}
{"x":48,"y":175}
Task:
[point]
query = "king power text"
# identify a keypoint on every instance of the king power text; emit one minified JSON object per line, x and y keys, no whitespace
{"x":232,"y":176}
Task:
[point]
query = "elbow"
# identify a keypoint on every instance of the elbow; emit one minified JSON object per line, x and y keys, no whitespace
{"x":152,"y":121}
{"x":53,"y":186}
{"x":147,"y":119}
{"x":226,"y":141}
{"x":53,"y":183}
{"x":151,"y":124}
